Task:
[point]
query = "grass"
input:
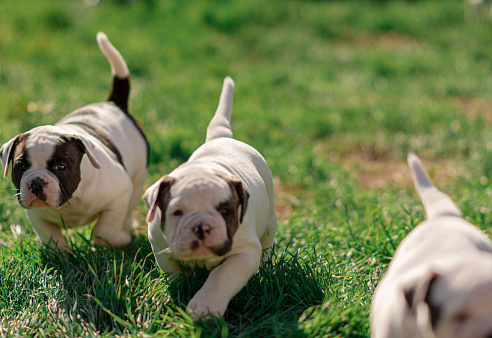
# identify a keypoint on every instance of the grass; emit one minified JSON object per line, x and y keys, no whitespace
{"x":333,"y":93}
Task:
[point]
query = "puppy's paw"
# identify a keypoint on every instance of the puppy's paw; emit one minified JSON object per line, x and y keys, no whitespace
{"x":117,"y":240}
{"x":203,"y":304}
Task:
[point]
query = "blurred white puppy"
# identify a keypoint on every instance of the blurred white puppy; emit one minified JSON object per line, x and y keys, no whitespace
{"x":439,"y":282}
{"x":217,"y":211}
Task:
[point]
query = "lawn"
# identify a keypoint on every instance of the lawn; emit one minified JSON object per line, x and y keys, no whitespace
{"x":334,"y":94}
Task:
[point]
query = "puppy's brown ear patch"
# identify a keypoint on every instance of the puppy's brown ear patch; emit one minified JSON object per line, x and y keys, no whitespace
{"x":421,"y":292}
{"x":242,"y":197}
{"x":159,"y":195}
{"x":8,"y":149}
{"x":85,"y":146}
{"x":239,"y":193}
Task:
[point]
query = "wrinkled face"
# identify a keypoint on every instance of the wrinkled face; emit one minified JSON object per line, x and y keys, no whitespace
{"x":45,"y":167}
{"x":464,"y":311}
{"x":200,"y":214}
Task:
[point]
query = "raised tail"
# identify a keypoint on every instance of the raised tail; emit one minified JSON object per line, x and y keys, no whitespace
{"x":120,"y":91}
{"x":436,"y":203}
{"x":220,"y":126}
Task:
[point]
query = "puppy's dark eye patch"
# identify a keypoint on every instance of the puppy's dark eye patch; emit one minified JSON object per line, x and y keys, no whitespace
{"x":228,"y":211}
{"x":21,"y":164}
{"x":225,"y":208}
{"x":224,"y":211}
{"x":461,"y":317}
{"x":178,"y":212}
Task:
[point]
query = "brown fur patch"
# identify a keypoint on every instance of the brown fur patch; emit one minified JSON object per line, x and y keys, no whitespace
{"x":68,"y":155}
{"x":101,"y":136}
{"x":20,"y":159}
{"x":119,"y":94}
{"x":240,"y":194}
{"x":163,"y":197}
{"x":229,"y":212}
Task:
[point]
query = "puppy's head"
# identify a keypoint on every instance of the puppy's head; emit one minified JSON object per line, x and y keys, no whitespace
{"x":45,"y":165}
{"x":454,"y":303}
{"x":200,"y":211}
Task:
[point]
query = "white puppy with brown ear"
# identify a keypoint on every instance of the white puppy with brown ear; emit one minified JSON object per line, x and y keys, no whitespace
{"x":216,"y":210}
{"x":90,"y":166}
{"x":439,"y":282}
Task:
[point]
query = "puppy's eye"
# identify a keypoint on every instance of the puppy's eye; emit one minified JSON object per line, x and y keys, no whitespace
{"x":21,"y":165}
{"x":224,"y":211}
{"x":178,"y":212}
{"x":61,"y":167}
{"x":461,"y":317}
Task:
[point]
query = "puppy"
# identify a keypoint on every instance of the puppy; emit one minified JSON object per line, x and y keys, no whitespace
{"x":89,"y":166}
{"x":216,"y":211}
{"x":439,"y":282}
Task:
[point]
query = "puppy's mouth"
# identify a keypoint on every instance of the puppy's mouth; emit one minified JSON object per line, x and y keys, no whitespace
{"x":35,"y":199}
{"x":37,"y":203}
{"x":38,"y":191}
{"x":201,"y":237}
{"x":200,"y":250}
{"x":223,"y":249}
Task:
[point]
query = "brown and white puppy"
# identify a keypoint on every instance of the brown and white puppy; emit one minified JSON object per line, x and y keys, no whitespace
{"x":439,"y":282}
{"x":216,"y":210}
{"x":89,"y":166}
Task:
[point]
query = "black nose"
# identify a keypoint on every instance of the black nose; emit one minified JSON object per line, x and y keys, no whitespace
{"x":201,"y":229}
{"x":489,"y":335}
{"x":36,"y":186}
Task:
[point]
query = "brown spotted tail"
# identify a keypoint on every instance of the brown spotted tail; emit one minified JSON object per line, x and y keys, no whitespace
{"x":120,"y":91}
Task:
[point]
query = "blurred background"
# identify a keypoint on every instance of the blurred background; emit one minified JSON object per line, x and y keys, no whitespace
{"x":334,"y":94}
{"x":351,"y":81}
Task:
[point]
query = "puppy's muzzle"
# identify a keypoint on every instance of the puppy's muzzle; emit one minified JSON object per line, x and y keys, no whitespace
{"x":201,"y":230}
{"x":36,"y":186}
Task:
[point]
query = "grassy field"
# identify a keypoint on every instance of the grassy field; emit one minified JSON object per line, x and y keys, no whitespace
{"x":333,"y":93}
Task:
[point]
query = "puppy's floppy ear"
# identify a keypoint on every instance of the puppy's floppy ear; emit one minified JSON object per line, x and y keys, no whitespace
{"x":158,"y":195}
{"x":243,"y":197}
{"x":420,"y":293}
{"x":237,"y":190}
{"x":86,"y":146}
{"x":7,"y":152}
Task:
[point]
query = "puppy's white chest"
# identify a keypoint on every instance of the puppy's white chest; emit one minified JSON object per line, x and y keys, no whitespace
{"x":72,"y":214}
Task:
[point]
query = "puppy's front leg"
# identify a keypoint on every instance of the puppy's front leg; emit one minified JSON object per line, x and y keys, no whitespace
{"x":113,"y":226}
{"x":49,"y":233}
{"x":225,"y":281}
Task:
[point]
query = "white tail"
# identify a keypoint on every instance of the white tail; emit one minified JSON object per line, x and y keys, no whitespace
{"x":220,"y":125}
{"x":118,"y":64}
{"x":436,"y":203}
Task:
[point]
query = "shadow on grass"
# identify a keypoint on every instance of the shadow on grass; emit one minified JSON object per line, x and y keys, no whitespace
{"x":123,"y":292}
{"x":269,"y":305}
{"x":100,"y":282}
